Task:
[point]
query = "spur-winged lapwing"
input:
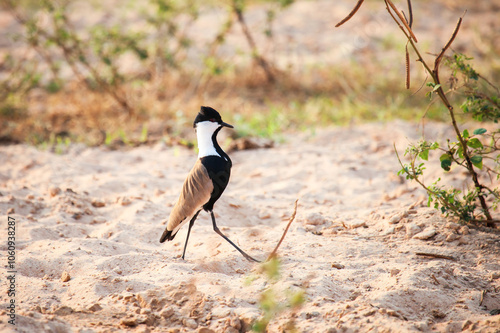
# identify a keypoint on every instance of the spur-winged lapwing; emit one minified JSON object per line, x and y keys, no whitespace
{"x":206,"y":181}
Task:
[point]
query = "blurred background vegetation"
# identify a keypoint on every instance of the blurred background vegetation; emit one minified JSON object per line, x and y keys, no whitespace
{"x":138,"y":71}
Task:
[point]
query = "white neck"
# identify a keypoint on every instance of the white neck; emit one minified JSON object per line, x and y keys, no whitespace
{"x":204,"y":132}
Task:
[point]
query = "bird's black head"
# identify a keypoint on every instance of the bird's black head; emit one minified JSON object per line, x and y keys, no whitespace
{"x":208,"y":114}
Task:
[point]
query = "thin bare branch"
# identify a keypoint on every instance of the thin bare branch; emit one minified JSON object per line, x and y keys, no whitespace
{"x":261,"y":61}
{"x":402,"y":19}
{"x":407,"y":67}
{"x":273,"y":254}
{"x":351,"y":14}
{"x":410,"y":12}
{"x":435,"y":255}
{"x":441,"y":54}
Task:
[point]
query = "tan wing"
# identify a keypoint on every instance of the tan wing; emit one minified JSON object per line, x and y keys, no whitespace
{"x":195,"y":193}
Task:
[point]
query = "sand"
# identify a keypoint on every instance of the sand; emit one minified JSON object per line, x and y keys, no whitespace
{"x":88,"y":257}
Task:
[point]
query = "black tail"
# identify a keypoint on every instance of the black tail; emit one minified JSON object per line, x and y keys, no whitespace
{"x":167,"y":235}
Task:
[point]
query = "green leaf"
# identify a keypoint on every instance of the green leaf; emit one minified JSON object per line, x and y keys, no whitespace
{"x":479,"y":131}
{"x":445,"y":164}
{"x":465,"y":134}
{"x":424,"y":154}
{"x":477,"y":161}
{"x":444,"y":157}
{"x":474,"y":143}
{"x":436,"y":87}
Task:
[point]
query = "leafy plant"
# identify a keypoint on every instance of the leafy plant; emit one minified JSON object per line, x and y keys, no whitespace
{"x":468,"y":151}
{"x":272,"y":301}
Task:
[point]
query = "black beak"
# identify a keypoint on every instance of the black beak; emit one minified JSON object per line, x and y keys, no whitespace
{"x":226,"y":125}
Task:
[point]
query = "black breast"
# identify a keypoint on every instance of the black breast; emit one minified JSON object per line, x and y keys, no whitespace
{"x":219,"y":171}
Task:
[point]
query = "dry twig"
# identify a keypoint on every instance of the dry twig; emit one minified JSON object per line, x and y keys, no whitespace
{"x":435,"y":255}
{"x":483,"y":293}
{"x":273,"y":254}
{"x":351,"y":14}
{"x":402,"y":19}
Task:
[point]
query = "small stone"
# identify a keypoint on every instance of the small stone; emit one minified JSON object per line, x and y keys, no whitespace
{"x":466,"y":325}
{"x":438,"y":314}
{"x":389,"y":231}
{"x":395,"y":272}
{"x":124,"y":201}
{"x":412,"y":229}
{"x":130,"y":322}
{"x":452,"y":226}
{"x":95,"y":307}
{"x":235,"y":322}
{"x":264,"y":215}
{"x":355,"y":224}
{"x":426,"y":234}
{"x":98,"y":203}
{"x":53,"y":191}
{"x":63,"y":311}
{"x":452,"y":237}
{"x":11,"y":210}
{"x":205,"y":330}
{"x":190,"y":323}
{"x":167,"y":313}
{"x":338,"y":266}
{"x":98,"y":220}
{"x":315,"y":219}
{"x":395,"y":218}
{"x":464,"y":230}
{"x":65,"y":277}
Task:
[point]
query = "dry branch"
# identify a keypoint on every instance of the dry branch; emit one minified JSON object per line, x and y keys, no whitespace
{"x":407,"y":63}
{"x":483,"y":293}
{"x":402,"y":19}
{"x":410,"y":13}
{"x":435,"y":255}
{"x":351,"y":14}
{"x":261,"y":61}
{"x":441,"y":54}
{"x":273,"y":254}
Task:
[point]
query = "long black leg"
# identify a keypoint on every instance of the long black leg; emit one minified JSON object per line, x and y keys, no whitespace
{"x":189,"y":231}
{"x":223,"y":236}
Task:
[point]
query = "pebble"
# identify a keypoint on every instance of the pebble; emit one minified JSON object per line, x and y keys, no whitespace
{"x":426,"y":234}
{"x":95,"y":307}
{"x":53,"y":191}
{"x":315,"y":219}
{"x":395,"y":218}
{"x":167,"y":313}
{"x":124,"y":201}
{"x":395,"y":272}
{"x":205,"y":330}
{"x":464,"y":230}
{"x":65,"y":277}
{"x":190,"y":323}
{"x":412,"y":229}
{"x":98,"y":203}
{"x":452,"y":237}
{"x":355,"y":224}
{"x":98,"y":219}
{"x":130,"y":322}
{"x":452,"y":226}
{"x":63,"y":311}
{"x":389,"y":231}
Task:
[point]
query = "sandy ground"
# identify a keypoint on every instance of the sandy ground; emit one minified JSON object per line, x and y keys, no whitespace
{"x":97,"y":215}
